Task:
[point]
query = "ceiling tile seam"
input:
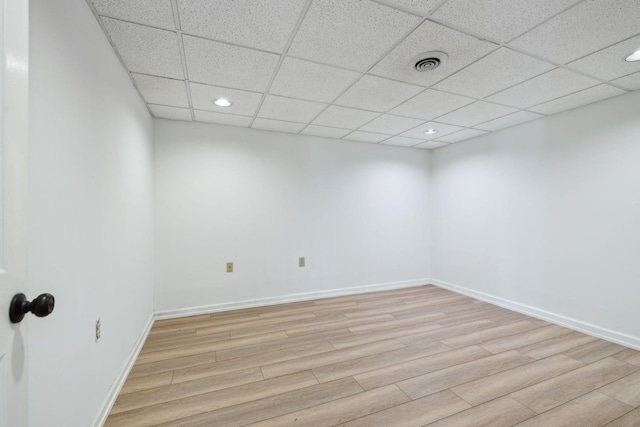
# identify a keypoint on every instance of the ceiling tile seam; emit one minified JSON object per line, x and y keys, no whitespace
{"x":507,"y":46}
{"x":273,"y":120}
{"x":115,"y":51}
{"x":191,"y":35}
{"x":312,"y":100}
{"x":540,"y":75}
{"x":435,"y":119}
{"x":437,"y":8}
{"x":220,"y":86}
{"x":626,"y":75}
{"x":566,"y":9}
{"x":393,"y":79}
{"x":187,"y":82}
{"x":464,"y":31}
{"x":183,"y":57}
{"x":564,"y":96}
{"x":380,"y":142}
{"x":561,"y":65}
{"x":517,"y":49}
{"x":396,"y":44}
{"x":395,"y":115}
{"x":422,"y":141}
{"x":363,"y":73}
{"x":606,"y":47}
{"x":219,"y":112}
{"x":313,"y":61}
{"x":524,"y":81}
{"x":398,"y":7}
{"x":200,"y":109}
{"x":332,"y":127}
{"x":155,"y":104}
{"x":282,"y":55}
{"x":138,"y":73}
{"x":121,"y":19}
{"x":176,"y":15}
{"x":502,"y":117}
{"x":258,"y":116}
{"x":356,"y":130}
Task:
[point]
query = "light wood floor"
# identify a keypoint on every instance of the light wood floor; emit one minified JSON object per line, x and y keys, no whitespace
{"x":408,"y":357}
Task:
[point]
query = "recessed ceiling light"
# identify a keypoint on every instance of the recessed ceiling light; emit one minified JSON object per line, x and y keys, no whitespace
{"x":222,"y":102}
{"x":635,"y":56}
{"x":430,"y":131}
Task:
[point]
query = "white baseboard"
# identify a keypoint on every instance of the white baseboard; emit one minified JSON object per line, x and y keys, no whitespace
{"x":236,"y":305}
{"x":114,"y":391}
{"x":578,"y":325}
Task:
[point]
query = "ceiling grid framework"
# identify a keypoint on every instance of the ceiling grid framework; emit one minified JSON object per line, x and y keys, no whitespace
{"x":344,"y":68}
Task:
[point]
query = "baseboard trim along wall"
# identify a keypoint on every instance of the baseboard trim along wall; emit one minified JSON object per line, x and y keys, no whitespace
{"x":237,"y":305}
{"x":114,"y":391}
{"x":577,"y":325}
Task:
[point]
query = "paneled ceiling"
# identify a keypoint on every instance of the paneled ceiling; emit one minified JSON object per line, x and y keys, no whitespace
{"x":345,"y":68}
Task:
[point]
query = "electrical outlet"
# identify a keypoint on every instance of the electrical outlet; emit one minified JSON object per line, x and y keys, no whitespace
{"x":229,"y":267}
{"x":98,"y":330}
{"x":301,"y":261}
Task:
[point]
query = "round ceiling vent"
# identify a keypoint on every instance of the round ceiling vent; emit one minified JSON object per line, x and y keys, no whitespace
{"x":428,"y":61}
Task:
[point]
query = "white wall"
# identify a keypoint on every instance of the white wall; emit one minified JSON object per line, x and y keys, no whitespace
{"x":91,"y":214}
{"x":547,"y":215}
{"x":357,"y":212}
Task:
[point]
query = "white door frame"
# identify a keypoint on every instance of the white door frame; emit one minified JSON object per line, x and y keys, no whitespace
{"x":14,"y":52}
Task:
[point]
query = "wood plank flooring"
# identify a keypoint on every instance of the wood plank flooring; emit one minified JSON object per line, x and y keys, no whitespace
{"x":408,"y":357}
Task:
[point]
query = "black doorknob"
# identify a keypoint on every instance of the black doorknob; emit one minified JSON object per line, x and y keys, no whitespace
{"x":41,"y":306}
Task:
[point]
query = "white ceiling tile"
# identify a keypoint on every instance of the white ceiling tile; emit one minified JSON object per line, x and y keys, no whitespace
{"x":546,"y":87}
{"x":430,"y":104}
{"x":173,"y":113}
{"x":325,"y":131}
{"x":430,"y":145}
{"x":309,"y":80}
{"x":422,"y":7}
{"x":261,"y":24}
{"x":242,"y":102}
{"x":578,"y":99}
{"x":349,"y":33}
{"x":366,"y":137}
{"x":443,"y":129}
{"x":391,"y":125}
{"x":343,"y":117}
{"x":159,"y":90}
{"x":478,"y":112}
{"x":610,"y":63}
{"x":462,"y":135}
{"x":583,"y":29}
{"x":277,"y":125}
{"x":225,"y":65}
{"x":461,"y":49}
{"x":630,"y":82}
{"x":494,"y":72}
{"x":146,"y":50}
{"x":376,"y":93}
{"x":288,"y":109}
{"x":157,"y":13}
{"x":223,"y":119}
{"x":500,"y":20}
{"x":402,"y":141}
{"x":508,"y":121}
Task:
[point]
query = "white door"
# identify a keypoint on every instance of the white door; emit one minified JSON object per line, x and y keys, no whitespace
{"x":14,"y":45}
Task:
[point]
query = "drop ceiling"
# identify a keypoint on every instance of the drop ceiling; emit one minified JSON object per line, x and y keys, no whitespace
{"x":343,"y":68}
